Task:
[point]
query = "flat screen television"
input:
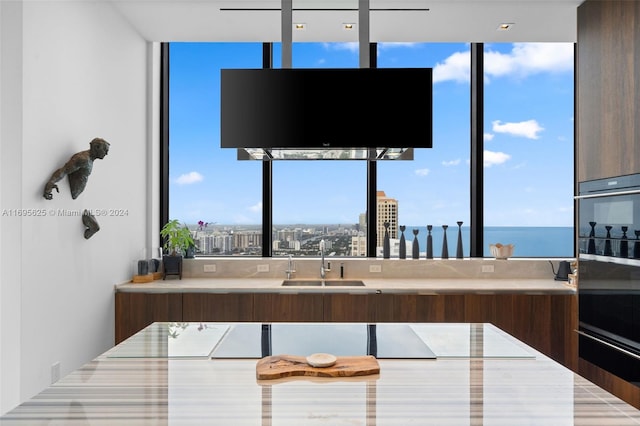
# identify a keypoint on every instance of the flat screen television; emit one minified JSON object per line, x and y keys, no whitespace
{"x":326,"y":108}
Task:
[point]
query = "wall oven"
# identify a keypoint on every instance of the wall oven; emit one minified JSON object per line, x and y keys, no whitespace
{"x":609,"y":275}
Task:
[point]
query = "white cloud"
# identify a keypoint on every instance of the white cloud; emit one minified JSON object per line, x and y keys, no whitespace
{"x":455,"y":67}
{"x":422,"y":172}
{"x":530,"y":58}
{"x":350,"y":46}
{"x":492,"y":158}
{"x":528,"y":129}
{"x":523,"y":60}
{"x":488,"y":136}
{"x":189,"y":178}
{"x":256,"y":208}
{"x":451,"y":163}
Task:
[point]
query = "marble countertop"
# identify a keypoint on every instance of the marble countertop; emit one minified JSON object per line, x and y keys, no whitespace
{"x":372,"y":285}
{"x":480,"y":375}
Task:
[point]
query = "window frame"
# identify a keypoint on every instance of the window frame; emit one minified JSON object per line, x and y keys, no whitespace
{"x":476,"y":147}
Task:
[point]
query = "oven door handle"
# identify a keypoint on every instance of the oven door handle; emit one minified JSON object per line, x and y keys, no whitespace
{"x":607,"y":194}
{"x":631,"y":354}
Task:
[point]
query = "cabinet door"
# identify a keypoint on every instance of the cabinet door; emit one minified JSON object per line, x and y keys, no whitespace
{"x":420,"y":308}
{"x":135,"y":311}
{"x":341,"y":307}
{"x":273,"y":307}
{"x":607,"y":89}
{"x":232,"y":307}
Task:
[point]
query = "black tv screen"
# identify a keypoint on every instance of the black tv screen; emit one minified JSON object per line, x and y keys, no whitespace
{"x":334,"y":108}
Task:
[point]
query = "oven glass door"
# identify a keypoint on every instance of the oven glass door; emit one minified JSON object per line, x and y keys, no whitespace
{"x":609,"y":227}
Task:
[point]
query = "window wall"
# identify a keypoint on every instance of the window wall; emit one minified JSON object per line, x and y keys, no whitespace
{"x":433,"y":189}
{"x":528,"y":157}
{"x":529,"y":148}
{"x":216,"y":196}
{"x":312,"y":199}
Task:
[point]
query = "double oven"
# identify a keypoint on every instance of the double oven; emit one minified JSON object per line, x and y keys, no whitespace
{"x":609,"y":275}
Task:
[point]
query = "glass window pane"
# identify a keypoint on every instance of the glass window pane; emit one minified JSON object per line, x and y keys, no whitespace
{"x":433,"y":189}
{"x":529,"y":148}
{"x":218,"y":197}
{"x":315,"y":199}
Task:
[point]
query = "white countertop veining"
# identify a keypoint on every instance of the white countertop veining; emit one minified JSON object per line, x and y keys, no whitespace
{"x":481,"y":376}
{"x":372,"y":285}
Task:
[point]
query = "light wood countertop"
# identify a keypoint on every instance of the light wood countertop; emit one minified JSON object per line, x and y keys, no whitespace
{"x":385,"y":285}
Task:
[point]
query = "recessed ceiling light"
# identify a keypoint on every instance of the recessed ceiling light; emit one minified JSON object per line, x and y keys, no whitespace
{"x":300,"y":26}
{"x":348,"y":26}
{"x":505,"y":26}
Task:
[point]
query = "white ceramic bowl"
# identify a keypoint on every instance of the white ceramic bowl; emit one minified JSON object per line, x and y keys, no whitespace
{"x":500,"y":251}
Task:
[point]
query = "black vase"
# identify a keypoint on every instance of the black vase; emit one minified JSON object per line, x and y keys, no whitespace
{"x":415,"y":247}
{"x":403,"y":244}
{"x":591,"y":248}
{"x":445,"y":246}
{"x":429,"y":242}
{"x":607,"y":242}
{"x":386,"y":245}
{"x":459,"y":254}
{"x":624,"y":244}
{"x":636,"y":245}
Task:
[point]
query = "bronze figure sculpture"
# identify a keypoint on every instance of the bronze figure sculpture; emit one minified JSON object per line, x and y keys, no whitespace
{"x":77,"y":169}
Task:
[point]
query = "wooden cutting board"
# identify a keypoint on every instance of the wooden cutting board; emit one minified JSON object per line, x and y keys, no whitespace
{"x":279,"y":366}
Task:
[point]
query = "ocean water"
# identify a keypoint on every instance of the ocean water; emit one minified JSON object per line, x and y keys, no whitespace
{"x":529,"y":241}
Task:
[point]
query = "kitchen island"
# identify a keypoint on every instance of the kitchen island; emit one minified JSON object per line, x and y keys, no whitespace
{"x":205,"y":373}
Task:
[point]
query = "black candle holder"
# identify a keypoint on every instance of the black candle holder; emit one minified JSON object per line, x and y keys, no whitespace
{"x":403,"y":244}
{"x":591,"y":248}
{"x":607,"y":242}
{"x":386,"y":245}
{"x":636,"y":245}
{"x":445,"y":246}
{"x":459,"y":254}
{"x":429,"y":242}
{"x":416,"y":246}
{"x":624,"y":243}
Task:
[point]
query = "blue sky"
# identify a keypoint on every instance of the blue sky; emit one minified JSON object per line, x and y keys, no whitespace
{"x":528,"y":141}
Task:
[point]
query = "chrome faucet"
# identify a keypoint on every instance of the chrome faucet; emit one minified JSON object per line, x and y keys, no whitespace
{"x":322,"y":271}
{"x":290,"y":269}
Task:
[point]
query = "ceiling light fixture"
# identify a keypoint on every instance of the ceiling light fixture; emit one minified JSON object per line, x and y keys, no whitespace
{"x":348,"y":26}
{"x":300,"y":26}
{"x":505,"y":26}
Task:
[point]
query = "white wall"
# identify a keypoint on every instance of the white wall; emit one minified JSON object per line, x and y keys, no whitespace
{"x":70,"y":71}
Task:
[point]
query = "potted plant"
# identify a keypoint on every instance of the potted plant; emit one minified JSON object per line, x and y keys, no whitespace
{"x":177,"y":239}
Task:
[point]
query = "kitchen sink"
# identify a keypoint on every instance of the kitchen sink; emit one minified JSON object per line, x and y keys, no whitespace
{"x":319,"y":283}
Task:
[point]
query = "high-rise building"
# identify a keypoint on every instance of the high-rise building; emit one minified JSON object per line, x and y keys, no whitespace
{"x":387,"y":212}
{"x":359,"y":245}
{"x":362,"y":223}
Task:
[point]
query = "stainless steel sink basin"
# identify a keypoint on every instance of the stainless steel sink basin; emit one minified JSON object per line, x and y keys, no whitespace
{"x":319,"y":283}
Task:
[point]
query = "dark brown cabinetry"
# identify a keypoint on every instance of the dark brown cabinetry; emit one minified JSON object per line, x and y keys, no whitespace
{"x":608,"y":89}
{"x":275,"y":307}
{"x":350,"y":307}
{"x":608,"y":116}
{"x":212,"y":307}
{"x":135,"y":311}
{"x":545,"y":322}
